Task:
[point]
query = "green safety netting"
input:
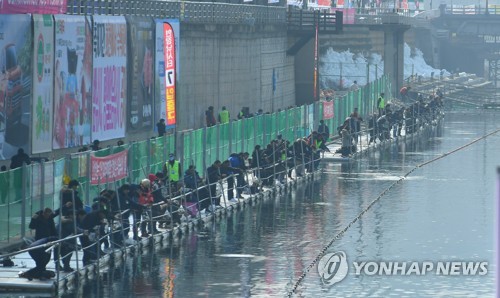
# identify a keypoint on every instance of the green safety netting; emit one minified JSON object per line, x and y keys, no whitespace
{"x":40,"y":185}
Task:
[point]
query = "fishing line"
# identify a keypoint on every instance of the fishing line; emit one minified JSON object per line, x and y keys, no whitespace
{"x":341,"y":233}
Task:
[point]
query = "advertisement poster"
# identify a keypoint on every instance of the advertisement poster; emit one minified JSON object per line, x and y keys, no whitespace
{"x":15,"y":83}
{"x":109,"y":168}
{"x":43,"y":89}
{"x":140,"y":73}
{"x":33,"y":6}
{"x":328,"y":110}
{"x":170,"y":73}
{"x":109,"y":87}
{"x":72,"y":81}
{"x":167,"y":71}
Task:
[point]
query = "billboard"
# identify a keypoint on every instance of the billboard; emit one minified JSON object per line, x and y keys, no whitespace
{"x":109,"y":85}
{"x":72,"y":81}
{"x":167,"y":70}
{"x":43,"y":89}
{"x":33,"y":6}
{"x":140,"y":101}
{"x":15,"y":83}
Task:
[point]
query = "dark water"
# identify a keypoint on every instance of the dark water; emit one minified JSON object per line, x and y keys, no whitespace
{"x":442,"y":212}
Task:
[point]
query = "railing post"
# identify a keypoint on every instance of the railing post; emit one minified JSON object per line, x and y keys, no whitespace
{"x":148,"y":150}
{"x":230,"y":137}
{"x":205,"y":141}
{"x":242,"y":134}
{"x":89,"y":178}
{"x":23,"y":200}
{"x":254,"y":131}
{"x":218,"y":141}
{"x":368,"y":73}
{"x":42,"y":183}
{"x":264,"y":129}
{"x":340,"y":81}
{"x":339,"y":20}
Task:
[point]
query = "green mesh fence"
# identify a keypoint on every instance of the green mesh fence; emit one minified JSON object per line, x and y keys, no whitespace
{"x":249,"y":134}
{"x":259,"y":130}
{"x":157,"y":154}
{"x":198,"y":151}
{"x":223,"y":141}
{"x":236,"y":136}
{"x":281,"y":120}
{"x":40,"y":184}
{"x":211,"y":145}
{"x":139,"y":161}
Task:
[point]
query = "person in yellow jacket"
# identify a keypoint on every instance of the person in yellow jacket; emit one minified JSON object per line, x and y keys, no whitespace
{"x":172,"y":171}
{"x":381,"y":104}
{"x":224,"y":116}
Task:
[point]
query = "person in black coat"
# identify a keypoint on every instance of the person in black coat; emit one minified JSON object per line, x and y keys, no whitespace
{"x":19,"y":159}
{"x":43,"y":224}
{"x":66,"y":225}
{"x":41,"y":258}
{"x":213,"y":175}
{"x":90,"y":224}
{"x":161,"y":127}
{"x":45,"y":231}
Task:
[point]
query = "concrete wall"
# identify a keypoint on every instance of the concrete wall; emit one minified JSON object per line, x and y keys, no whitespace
{"x":232,"y":66}
{"x":229,"y":65}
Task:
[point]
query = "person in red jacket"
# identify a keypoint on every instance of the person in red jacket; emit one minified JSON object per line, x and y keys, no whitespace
{"x":146,"y":200}
{"x":404,"y":92}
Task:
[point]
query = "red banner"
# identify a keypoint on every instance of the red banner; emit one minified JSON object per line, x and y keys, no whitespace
{"x":33,"y":6}
{"x":327,"y":109}
{"x":109,"y":168}
{"x":169,"y":52}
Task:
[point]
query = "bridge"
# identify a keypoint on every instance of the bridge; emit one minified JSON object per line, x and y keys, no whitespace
{"x":449,"y":28}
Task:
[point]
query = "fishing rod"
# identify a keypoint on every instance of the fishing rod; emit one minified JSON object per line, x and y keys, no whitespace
{"x":352,"y":222}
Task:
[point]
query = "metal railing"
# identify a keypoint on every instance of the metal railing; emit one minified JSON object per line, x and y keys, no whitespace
{"x":303,"y":20}
{"x":28,"y":189}
{"x":185,"y":11}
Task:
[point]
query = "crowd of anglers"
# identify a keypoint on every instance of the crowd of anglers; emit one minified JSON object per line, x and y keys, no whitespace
{"x":122,"y":214}
{"x":389,"y":122}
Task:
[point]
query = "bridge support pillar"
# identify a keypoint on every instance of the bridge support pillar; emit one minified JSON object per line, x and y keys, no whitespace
{"x":394,"y":55}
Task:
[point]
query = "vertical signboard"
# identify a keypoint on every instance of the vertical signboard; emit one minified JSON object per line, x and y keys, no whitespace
{"x":43,"y":89}
{"x":167,"y":70}
{"x":140,"y":72}
{"x":15,"y":83}
{"x":72,"y":81}
{"x":109,"y":85}
{"x":316,"y":46}
{"x":170,"y":73}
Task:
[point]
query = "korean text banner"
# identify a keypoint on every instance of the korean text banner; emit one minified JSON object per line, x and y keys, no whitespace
{"x":140,"y":89}
{"x":43,"y":89}
{"x":109,"y":77}
{"x":15,"y":83}
{"x":170,"y":74}
{"x":33,"y":6}
{"x":328,"y":110}
{"x":72,"y":81}
{"x":165,"y":28}
{"x":109,"y":168}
